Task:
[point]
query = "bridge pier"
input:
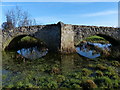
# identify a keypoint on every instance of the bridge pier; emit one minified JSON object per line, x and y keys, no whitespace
{"x":67,"y":38}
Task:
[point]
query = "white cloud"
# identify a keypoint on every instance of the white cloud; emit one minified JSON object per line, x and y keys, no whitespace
{"x":110,"y":12}
{"x":47,"y":20}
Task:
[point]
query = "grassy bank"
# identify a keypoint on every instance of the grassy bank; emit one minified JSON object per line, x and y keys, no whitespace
{"x":28,"y":41}
{"x":52,"y":74}
{"x":96,"y":39}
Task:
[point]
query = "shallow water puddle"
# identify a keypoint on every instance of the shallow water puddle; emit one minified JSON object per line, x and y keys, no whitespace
{"x":88,"y":49}
{"x":33,"y":52}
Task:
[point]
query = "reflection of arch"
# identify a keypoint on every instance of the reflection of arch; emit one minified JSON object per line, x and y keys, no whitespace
{"x":13,"y":43}
{"x":109,"y":38}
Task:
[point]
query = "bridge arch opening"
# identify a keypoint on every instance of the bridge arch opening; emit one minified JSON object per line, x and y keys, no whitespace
{"x":97,"y":37}
{"x":109,"y":38}
{"x":28,"y":47}
{"x":24,"y":41}
{"x":96,"y":45}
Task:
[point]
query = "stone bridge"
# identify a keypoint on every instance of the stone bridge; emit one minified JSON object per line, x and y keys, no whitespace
{"x":59,"y":37}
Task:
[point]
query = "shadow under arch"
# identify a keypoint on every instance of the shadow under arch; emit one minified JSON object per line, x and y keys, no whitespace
{"x":14,"y":45}
{"x":109,"y":38}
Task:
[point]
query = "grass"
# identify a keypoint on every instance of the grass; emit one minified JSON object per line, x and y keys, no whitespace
{"x":28,"y":39}
{"x":99,"y":75}
{"x":96,"y":39}
{"x":47,"y":73}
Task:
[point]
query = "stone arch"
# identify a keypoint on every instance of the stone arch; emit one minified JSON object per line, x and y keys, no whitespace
{"x":113,"y":41}
{"x":109,"y":38}
{"x":13,"y":43}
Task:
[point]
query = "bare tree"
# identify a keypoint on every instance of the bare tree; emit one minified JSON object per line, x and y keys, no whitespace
{"x":7,"y":25}
{"x":16,"y":18}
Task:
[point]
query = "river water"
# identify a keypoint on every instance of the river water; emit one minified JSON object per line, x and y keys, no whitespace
{"x":32,"y":52}
{"x":38,"y":62}
{"x":86,"y":50}
{"x":83,"y":50}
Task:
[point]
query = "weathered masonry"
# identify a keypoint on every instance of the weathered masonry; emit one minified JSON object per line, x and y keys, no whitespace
{"x":59,"y":37}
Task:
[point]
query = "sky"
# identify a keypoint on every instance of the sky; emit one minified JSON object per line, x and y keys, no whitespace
{"x":60,"y":0}
{"x":80,"y":13}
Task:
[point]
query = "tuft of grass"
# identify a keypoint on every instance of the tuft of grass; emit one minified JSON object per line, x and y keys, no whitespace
{"x":86,"y":71}
{"x":101,"y":67}
{"x":28,"y":38}
{"x":99,"y":73}
{"x":60,"y":78}
{"x":104,"y":82}
{"x":76,"y":86}
{"x":95,"y":38}
{"x":115,"y":63}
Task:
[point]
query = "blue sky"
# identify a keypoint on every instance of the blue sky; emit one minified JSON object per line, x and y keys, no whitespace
{"x":81,"y":13}
{"x":60,"y":0}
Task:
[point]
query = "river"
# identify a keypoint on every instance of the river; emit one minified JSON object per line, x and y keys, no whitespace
{"x":29,"y":63}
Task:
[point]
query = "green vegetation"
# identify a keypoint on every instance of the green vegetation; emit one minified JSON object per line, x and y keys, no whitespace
{"x":96,"y":39}
{"x":115,"y":53}
{"x":44,"y":73}
{"x":86,"y":72}
{"x":28,"y":39}
{"x":115,"y":63}
{"x":55,"y":72}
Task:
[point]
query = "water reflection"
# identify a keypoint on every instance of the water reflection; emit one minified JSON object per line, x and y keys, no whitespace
{"x":104,"y":46}
{"x":44,"y":67}
{"x":86,"y":49}
{"x":86,"y":53}
{"x":33,"y":52}
{"x":67,"y":63}
{"x":89,"y":49}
